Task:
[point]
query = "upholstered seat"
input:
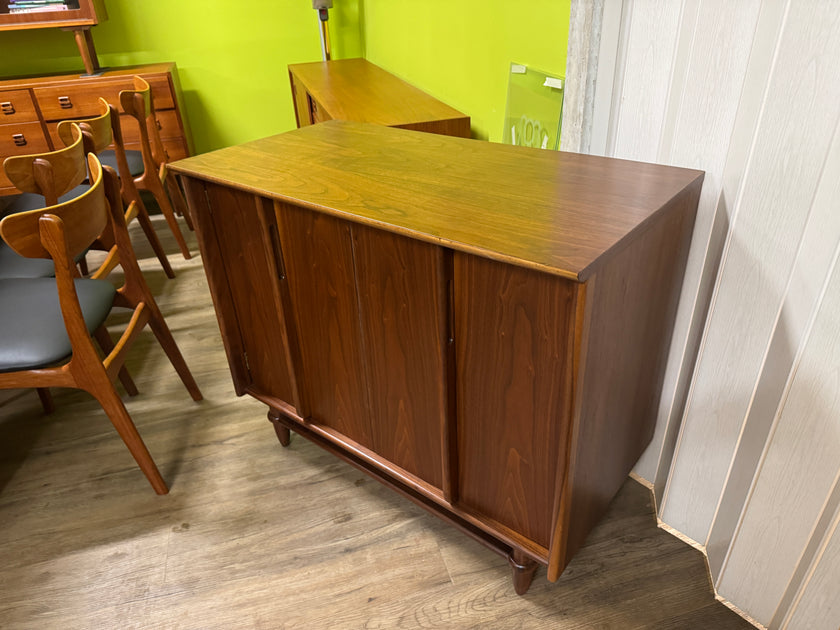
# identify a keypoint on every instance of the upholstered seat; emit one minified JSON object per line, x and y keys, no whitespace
{"x":134,"y":158}
{"x":33,"y":333}
{"x":47,"y":325}
{"x":13,"y":265}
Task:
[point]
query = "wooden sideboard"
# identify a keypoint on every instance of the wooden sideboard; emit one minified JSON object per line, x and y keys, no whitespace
{"x":357,"y":90}
{"x":483,"y":328}
{"x":31,"y":108}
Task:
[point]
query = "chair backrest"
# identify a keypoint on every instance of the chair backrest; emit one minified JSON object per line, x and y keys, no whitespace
{"x":82,"y":220}
{"x":138,"y":104}
{"x":97,"y":132}
{"x":50,"y":174}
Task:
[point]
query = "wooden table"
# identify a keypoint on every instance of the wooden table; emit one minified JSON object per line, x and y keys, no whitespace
{"x":357,"y":90}
{"x":483,"y":328}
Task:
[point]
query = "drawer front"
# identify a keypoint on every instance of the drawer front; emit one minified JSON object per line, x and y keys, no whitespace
{"x":167,"y":124}
{"x":80,"y":100}
{"x":16,"y":106}
{"x":22,"y":138}
{"x":176,"y":148}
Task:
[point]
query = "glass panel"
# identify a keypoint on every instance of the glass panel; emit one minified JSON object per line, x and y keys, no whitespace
{"x":534,"y":108}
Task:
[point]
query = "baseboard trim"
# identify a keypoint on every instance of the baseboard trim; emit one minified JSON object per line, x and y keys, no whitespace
{"x":701,"y":548}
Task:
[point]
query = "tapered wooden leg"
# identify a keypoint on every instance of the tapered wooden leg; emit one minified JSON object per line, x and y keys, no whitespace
{"x":178,"y":201}
{"x":46,"y":400}
{"x":284,"y":436}
{"x":117,"y":413}
{"x":107,"y":344}
{"x":153,"y":185}
{"x":151,"y":235}
{"x":523,"y":569}
{"x":167,"y":342}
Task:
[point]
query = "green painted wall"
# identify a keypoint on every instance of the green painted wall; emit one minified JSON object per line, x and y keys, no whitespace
{"x":231,"y":56}
{"x":460,"y":52}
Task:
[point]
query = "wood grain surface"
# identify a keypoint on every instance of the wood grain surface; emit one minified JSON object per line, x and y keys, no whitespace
{"x":469,"y":195}
{"x":357,"y":90}
{"x":403,"y":321}
{"x":217,"y":550}
{"x":84,"y":544}
{"x":512,"y":406}
{"x":318,"y":254}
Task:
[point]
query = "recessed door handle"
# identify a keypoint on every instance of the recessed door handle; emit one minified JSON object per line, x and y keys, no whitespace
{"x":7,"y":107}
{"x":65,"y":102}
{"x":20,"y":139}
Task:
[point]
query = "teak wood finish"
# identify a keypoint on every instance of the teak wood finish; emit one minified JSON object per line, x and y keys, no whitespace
{"x":98,"y":134}
{"x":138,"y":104}
{"x":482,"y":328}
{"x":359,"y":91}
{"x":32,"y":107}
{"x":61,"y":233}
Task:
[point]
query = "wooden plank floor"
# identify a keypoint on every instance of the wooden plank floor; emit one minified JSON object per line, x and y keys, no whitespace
{"x":256,"y":536}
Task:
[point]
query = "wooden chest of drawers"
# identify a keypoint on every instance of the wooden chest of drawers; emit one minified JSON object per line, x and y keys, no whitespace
{"x":31,"y":108}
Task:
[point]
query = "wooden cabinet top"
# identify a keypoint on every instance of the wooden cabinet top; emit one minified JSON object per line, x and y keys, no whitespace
{"x":563,"y":213}
{"x":115,"y":73}
{"x":355,"y":89}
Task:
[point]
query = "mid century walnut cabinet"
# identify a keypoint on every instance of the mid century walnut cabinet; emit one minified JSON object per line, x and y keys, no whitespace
{"x":483,"y":328}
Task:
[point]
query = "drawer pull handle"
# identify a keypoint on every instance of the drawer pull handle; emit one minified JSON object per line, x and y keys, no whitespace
{"x":65,"y":102}
{"x":8,"y":107}
{"x":20,"y":139}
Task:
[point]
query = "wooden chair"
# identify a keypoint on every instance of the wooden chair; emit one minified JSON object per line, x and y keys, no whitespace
{"x":150,"y":172}
{"x":42,"y":178}
{"x":44,"y":321}
{"x":97,"y":134}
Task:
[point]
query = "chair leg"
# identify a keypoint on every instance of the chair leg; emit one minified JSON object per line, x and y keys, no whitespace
{"x":118,"y":414}
{"x":167,"y":342}
{"x":151,"y":235}
{"x":179,"y":203}
{"x":153,"y":185}
{"x":46,"y":400}
{"x":107,"y":344}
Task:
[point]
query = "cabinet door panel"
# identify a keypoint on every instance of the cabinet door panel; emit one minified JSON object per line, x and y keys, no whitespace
{"x":239,"y":235}
{"x":511,"y":330}
{"x":318,"y":253}
{"x":403,"y":314}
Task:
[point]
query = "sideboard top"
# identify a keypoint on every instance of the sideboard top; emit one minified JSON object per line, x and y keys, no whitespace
{"x":356,"y":89}
{"x":554,"y":211}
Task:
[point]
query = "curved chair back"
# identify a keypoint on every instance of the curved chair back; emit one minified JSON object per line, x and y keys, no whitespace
{"x":50,"y":174}
{"x":138,"y":104}
{"x":97,"y":132}
{"x":83,"y":218}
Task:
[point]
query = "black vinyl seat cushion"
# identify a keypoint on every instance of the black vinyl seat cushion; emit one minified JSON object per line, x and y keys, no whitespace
{"x":30,"y":201}
{"x":134,"y":159}
{"x":13,"y":265}
{"x":32,"y":331}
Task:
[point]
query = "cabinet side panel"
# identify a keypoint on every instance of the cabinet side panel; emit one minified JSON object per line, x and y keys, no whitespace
{"x":511,"y":332}
{"x":242,"y":243}
{"x":404,"y":329}
{"x":217,"y":280}
{"x":318,"y":254}
{"x":632,"y":307}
